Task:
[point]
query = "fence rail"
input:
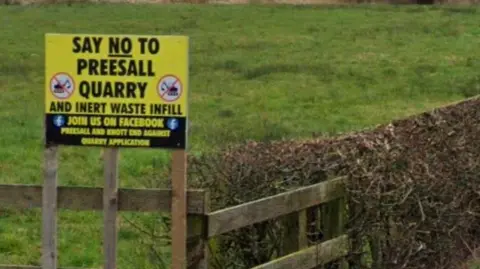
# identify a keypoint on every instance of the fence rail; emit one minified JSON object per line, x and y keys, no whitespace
{"x":236,"y":217}
{"x":89,"y":198}
{"x":322,"y":201}
{"x":322,"y":253}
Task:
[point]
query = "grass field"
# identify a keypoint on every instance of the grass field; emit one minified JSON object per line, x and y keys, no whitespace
{"x":256,"y":73}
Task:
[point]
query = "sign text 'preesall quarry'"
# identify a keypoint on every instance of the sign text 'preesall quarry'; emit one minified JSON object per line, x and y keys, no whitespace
{"x":116,"y":90}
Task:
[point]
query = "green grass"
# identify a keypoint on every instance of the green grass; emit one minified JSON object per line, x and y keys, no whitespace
{"x":256,"y":73}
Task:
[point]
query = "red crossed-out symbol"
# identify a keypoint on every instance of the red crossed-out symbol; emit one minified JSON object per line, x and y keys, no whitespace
{"x":62,"y":85}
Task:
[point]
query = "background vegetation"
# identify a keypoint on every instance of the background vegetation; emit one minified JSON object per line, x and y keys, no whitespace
{"x":286,"y":71}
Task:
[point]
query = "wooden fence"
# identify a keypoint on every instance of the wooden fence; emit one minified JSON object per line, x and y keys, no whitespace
{"x":323,"y":201}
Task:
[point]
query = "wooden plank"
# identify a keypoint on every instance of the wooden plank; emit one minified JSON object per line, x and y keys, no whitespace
{"x":341,"y":222}
{"x":110,"y":208}
{"x":197,"y":250}
{"x":302,"y":229}
{"x":333,"y":216}
{"x":49,"y":209}
{"x":309,"y":258}
{"x":232,"y":218}
{"x":179,"y":209}
{"x":316,"y":231}
{"x":87,"y":198}
{"x":295,"y":232}
{"x":292,"y":231}
{"x":194,"y":252}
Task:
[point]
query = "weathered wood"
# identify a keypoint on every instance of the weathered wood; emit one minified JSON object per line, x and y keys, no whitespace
{"x":307,"y":259}
{"x":295,"y":232}
{"x":232,"y":218}
{"x":316,"y":229}
{"x":195,"y":227}
{"x":49,"y":209}
{"x":197,"y":248}
{"x":194,"y":252}
{"x":290,"y":240}
{"x":87,"y":198}
{"x":333,"y":220}
{"x":302,"y":229}
{"x":341,"y":205}
{"x":326,"y":219}
{"x":179,"y":209}
{"x":110,"y":206}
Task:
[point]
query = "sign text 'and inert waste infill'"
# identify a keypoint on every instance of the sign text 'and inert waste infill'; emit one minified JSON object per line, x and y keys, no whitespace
{"x":116,"y":91}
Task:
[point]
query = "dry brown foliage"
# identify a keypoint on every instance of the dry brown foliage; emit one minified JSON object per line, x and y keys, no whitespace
{"x":414,"y":186}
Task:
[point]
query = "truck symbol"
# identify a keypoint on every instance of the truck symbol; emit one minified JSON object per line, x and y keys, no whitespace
{"x":60,"y":88}
{"x":171,"y":91}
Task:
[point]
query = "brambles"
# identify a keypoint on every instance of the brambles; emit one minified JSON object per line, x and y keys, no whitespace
{"x":414,"y":186}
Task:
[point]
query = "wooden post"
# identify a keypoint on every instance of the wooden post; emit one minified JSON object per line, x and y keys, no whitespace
{"x":198,"y":252}
{"x":333,"y":220}
{"x":303,"y":229}
{"x":296,"y":237}
{"x":179,"y":209}
{"x":316,"y":218}
{"x":49,"y":209}
{"x":341,"y":219}
{"x":110,"y":207}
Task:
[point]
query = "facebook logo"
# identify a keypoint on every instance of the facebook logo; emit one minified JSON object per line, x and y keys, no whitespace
{"x":59,"y":120}
{"x":172,"y":124}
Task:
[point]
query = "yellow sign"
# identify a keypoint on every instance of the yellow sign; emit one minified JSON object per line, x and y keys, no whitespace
{"x":116,"y":90}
